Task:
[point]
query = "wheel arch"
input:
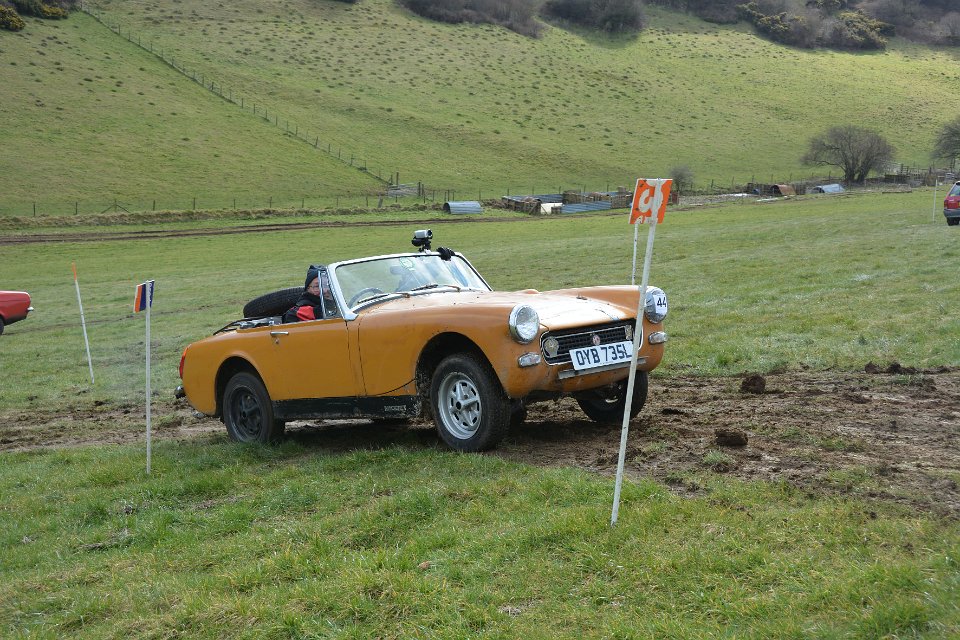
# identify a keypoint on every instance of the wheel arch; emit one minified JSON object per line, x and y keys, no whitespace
{"x":229,"y":368}
{"x":439,"y":347}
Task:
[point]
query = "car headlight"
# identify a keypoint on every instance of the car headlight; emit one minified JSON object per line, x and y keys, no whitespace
{"x":524,"y":323}
{"x":655,"y":305}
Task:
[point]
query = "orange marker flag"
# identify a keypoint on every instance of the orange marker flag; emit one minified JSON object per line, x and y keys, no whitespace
{"x":645,"y":198}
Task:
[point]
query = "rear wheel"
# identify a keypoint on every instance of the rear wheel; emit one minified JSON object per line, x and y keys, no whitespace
{"x":248,"y":412}
{"x":471,"y":411}
{"x":1,"y":326}
{"x":953,"y":221}
{"x":605,"y":404}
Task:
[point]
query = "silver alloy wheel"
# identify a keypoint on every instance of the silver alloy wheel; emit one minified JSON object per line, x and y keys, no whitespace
{"x":459,"y":404}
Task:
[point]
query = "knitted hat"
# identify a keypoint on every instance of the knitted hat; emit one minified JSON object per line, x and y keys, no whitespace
{"x":313,"y":272}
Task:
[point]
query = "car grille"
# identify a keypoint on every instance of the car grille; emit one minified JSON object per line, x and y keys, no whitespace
{"x":583,"y":337}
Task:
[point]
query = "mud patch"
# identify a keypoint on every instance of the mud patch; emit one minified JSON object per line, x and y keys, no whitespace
{"x":890,"y":434}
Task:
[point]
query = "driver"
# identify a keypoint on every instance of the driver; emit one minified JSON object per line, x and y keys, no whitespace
{"x":312,"y":304}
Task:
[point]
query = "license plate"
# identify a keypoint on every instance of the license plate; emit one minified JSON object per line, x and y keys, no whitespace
{"x":604,"y":354}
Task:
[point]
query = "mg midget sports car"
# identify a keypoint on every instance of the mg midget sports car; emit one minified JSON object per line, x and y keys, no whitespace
{"x":422,"y":333}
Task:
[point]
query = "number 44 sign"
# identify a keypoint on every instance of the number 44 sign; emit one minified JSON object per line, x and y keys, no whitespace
{"x":650,"y":195}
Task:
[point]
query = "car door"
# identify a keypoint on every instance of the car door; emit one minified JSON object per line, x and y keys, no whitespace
{"x":309,"y":360}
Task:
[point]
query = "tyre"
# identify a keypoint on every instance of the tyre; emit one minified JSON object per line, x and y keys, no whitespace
{"x":1,"y":326}
{"x":953,"y":221}
{"x":248,"y":412}
{"x":275,"y":303}
{"x":471,"y":411}
{"x":605,"y":404}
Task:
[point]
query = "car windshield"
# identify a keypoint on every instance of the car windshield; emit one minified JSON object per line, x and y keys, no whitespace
{"x":378,"y":277}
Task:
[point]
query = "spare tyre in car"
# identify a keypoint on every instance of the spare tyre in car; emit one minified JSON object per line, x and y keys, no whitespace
{"x":275,"y":303}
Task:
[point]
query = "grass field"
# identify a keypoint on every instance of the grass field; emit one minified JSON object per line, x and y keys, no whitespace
{"x":476,"y":109}
{"x":818,"y":282}
{"x":291,"y":542}
{"x":299,"y":542}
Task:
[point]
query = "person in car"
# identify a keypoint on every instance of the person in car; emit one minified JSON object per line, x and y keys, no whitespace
{"x":316,"y":298}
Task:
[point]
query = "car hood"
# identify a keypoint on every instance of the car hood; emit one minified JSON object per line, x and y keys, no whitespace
{"x":557,"y":309}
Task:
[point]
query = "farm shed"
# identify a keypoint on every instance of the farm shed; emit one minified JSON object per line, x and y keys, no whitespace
{"x":784,"y":190}
{"x":828,"y":188}
{"x":463,"y":206}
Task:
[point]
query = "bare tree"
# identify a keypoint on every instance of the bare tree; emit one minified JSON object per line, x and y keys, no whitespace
{"x":950,"y":28}
{"x":947,"y":145}
{"x":682,"y":177}
{"x":855,"y":150}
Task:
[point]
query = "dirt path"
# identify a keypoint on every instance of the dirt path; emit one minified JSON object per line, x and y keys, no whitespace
{"x":890,"y":434}
{"x":254,"y":227}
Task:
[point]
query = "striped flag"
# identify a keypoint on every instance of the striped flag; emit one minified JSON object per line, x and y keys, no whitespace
{"x":144,"y":296}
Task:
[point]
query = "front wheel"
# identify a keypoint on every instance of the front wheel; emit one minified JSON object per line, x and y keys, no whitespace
{"x":471,"y":411}
{"x":605,"y":404}
{"x":248,"y":412}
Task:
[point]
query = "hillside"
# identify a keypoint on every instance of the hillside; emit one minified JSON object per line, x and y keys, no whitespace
{"x":478,"y":109}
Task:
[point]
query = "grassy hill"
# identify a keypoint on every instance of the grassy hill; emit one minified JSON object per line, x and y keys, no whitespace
{"x":477,"y":109}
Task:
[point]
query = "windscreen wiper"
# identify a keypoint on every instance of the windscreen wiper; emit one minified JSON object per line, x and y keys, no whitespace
{"x":434,"y":285}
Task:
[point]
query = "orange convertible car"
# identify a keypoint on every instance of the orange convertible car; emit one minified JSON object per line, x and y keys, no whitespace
{"x":422,"y":332}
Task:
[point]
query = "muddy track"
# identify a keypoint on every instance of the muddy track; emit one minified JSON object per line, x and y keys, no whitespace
{"x":886,"y":434}
{"x":153,"y":234}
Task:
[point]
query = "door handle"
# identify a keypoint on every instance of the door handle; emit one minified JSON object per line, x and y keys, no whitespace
{"x":276,"y":335}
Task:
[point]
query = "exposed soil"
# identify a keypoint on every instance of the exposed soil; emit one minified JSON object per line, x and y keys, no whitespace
{"x":888,"y":433}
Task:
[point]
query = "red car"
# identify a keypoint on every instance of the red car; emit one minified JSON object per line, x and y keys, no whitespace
{"x":951,"y":205}
{"x":14,"y":306}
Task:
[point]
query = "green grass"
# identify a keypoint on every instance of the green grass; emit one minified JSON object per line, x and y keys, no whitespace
{"x":817,"y":282}
{"x":290,"y":542}
{"x":475,"y":109}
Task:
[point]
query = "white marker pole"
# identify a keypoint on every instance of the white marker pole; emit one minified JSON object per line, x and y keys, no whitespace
{"x":933,"y":210}
{"x":633,"y":274}
{"x":149,"y":304}
{"x":83,"y":322}
{"x":637,"y":342}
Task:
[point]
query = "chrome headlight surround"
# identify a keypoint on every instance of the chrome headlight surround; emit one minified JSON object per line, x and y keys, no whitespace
{"x":524,"y":323}
{"x":655,"y":305}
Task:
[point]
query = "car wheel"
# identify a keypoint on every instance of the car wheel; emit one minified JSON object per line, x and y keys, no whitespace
{"x":471,"y":410}
{"x":953,"y":221}
{"x":605,"y":404}
{"x":1,"y":326}
{"x":248,"y":412}
{"x":275,"y":303}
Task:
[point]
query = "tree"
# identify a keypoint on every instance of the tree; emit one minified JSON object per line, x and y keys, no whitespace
{"x":855,"y":150}
{"x":682,"y":177}
{"x":947,"y":145}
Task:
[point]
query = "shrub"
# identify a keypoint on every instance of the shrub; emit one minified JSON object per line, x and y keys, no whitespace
{"x":516,"y":15}
{"x":39,"y":9}
{"x":854,"y":30}
{"x":612,"y":16}
{"x":10,"y":21}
